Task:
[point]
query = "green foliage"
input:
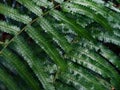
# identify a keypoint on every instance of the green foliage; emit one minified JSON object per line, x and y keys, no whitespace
{"x":59,"y":45}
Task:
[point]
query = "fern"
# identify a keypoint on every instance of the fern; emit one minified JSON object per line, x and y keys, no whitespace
{"x":7,"y":79}
{"x":20,"y":67}
{"x":59,"y":45}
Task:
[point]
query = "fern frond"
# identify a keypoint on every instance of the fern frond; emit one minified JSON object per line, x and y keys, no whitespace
{"x":70,"y":80}
{"x":86,"y":73}
{"x":62,"y":43}
{"x":56,"y":35}
{"x":20,"y":67}
{"x":47,"y":47}
{"x":31,"y":6}
{"x":34,"y":62}
{"x":108,"y":38}
{"x":45,"y":3}
{"x":81,"y":73}
{"x":101,"y":64}
{"x":5,"y":27}
{"x":80,"y":9}
{"x":80,"y":31}
{"x":14,"y":14}
{"x":105,"y":52}
{"x":8,"y":80}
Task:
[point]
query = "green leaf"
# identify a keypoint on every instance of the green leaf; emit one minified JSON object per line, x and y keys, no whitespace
{"x":7,"y":80}
{"x":34,"y":62}
{"x":47,"y":47}
{"x":80,"y":9}
{"x":20,"y":67}
{"x":14,"y":14}
{"x":72,"y":24}
{"x":31,"y":6}
{"x":5,"y":27}
{"x":56,"y":35}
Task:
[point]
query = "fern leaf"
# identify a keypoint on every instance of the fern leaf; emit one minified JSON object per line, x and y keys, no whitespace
{"x":70,"y":80}
{"x":59,"y":37}
{"x":63,"y":86}
{"x":15,"y":61}
{"x":101,"y":8}
{"x":83,"y":73}
{"x":80,"y":31}
{"x":112,"y":57}
{"x":91,"y":64}
{"x":105,"y":52}
{"x":108,"y":38}
{"x":33,"y":62}
{"x":64,"y":47}
{"x":81,"y":81}
{"x":5,"y":27}
{"x":44,"y":3}
{"x":7,"y":80}
{"x":14,"y":14}
{"x":74,"y":8}
{"x":31,"y":6}
{"x":47,"y":47}
{"x":59,"y":1}
{"x":106,"y":67}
